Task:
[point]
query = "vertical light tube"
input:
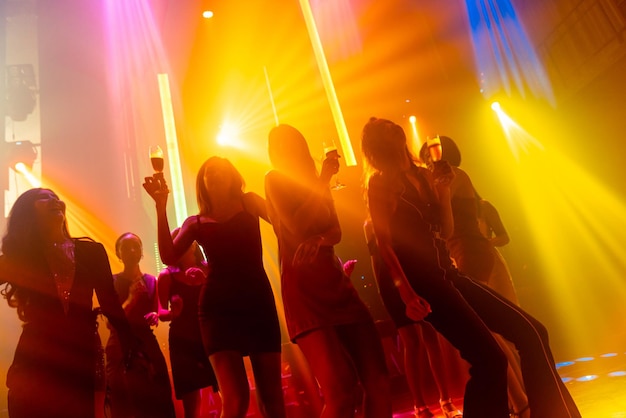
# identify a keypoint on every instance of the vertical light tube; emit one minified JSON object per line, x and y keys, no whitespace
{"x":171,"y":140}
{"x":340,"y":124}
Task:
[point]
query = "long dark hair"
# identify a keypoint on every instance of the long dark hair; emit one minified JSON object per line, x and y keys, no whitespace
{"x":237,"y":182}
{"x":22,"y":245}
{"x":379,"y":156}
{"x":289,"y":153}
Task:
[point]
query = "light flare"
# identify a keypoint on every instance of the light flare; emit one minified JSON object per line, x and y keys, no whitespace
{"x":577,"y":225}
{"x":329,"y":87}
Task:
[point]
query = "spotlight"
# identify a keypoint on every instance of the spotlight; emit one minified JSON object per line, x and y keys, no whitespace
{"x":21,"y":152}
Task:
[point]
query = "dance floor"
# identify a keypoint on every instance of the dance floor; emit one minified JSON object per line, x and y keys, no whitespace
{"x":597,"y":384}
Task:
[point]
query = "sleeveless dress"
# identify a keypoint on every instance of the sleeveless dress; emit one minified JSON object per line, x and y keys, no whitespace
{"x":191,"y":369}
{"x":140,"y":390}
{"x":236,"y":306}
{"x":318,"y":294}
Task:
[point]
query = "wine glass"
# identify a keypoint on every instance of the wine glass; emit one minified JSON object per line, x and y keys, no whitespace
{"x":156,"y":158}
{"x":434,"y":148}
{"x":331,"y":151}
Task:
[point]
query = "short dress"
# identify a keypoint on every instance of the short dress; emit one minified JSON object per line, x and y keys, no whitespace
{"x":191,"y":368}
{"x":57,"y":363}
{"x":318,"y":294}
{"x":237,"y":310}
{"x":133,"y":390}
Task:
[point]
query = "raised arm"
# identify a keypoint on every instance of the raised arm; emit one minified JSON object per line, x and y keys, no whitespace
{"x":442,"y":178}
{"x":170,"y":250}
{"x":301,"y":206}
{"x":303,"y":217}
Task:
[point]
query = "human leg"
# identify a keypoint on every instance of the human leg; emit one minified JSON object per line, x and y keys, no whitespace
{"x":517,"y":394}
{"x":117,"y":398}
{"x":417,"y":368}
{"x":191,"y":404}
{"x":547,"y":395}
{"x":151,"y":387}
{"x":453,"y":317}
{"x":233,"y":383}
{"x":268,"y":380}
{"x":333,"y":370}
{"x":362,"y":342}
{"x":439,"y":352}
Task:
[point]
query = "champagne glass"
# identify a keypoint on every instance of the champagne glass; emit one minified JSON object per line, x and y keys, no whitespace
{"x":156,"y":158}
{"x":434,"y":148}
{"x":331,"y":151}
{"x":442,"y":171}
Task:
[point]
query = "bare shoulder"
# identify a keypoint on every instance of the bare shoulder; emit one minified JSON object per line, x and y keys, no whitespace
{"x":190,"y":222}
{"x":164,"y":276}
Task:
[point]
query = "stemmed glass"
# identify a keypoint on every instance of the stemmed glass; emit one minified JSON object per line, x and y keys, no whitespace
{"x":156,"y":158}
{"x":158,"y":163}
{"x":331,"y":151}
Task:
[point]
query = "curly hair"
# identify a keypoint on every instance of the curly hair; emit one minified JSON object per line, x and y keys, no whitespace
{"x":22,"y":246}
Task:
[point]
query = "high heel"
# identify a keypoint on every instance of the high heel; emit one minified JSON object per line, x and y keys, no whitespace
{"x":449,"y":410}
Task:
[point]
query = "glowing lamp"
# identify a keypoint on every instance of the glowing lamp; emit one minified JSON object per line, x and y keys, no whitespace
{"x":21,"y":152}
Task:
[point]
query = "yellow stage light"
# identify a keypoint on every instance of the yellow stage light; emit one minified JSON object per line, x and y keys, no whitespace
{"x":577,"y":224}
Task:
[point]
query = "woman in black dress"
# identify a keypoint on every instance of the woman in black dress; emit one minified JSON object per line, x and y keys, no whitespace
{"x":50,"y":279}
{"x":179,"y":290}
{"x":237,"y":311}
{"x":145,"y":392}
{"x":412,"y":216}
